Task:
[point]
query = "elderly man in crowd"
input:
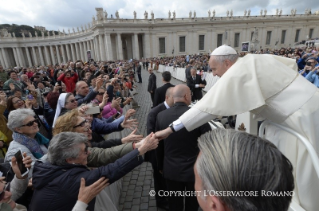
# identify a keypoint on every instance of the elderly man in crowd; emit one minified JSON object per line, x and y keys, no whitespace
{"x":224,"y":165}
{"x":13,"y":80}
{"x":84,"y":94}
{"x":250,"y":85}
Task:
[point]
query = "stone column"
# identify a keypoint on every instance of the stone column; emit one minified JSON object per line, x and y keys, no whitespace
{"x":147,"y":46}
{"x":20,"y":56}
{"x":108,"y":47}
{"x":119,"y":47}
{"x":5,"y":62}
{"x":129,"y":47}
{"x":73,"y":52}
{"x":2,"y":59}
{"x":101,"y":46}
{"x":28,"y":56}
{"x":68,"y":52}
{"x":52,"y":55}
{"x":41,"y":55}
{"x":77,"y":52}
{"x":16,"y":57}
{"x":63,"y":55}
{"x":96,"y":49}
{"x":58,"y":54}
{"x":92,"y":49}
{"x":81,"y":51}
{"x":35,"y":56}
{"x":136,"y":50}
{"x":47,"y":55}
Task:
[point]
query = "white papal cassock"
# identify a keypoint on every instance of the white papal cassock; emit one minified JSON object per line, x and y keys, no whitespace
{"x":271,"y":88}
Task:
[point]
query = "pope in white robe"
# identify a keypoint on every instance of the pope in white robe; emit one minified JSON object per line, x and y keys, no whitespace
{"x":271,"y":88}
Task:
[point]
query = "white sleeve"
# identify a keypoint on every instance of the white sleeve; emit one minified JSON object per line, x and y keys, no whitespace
{"x":80,"y":206}
{"x":193,"y":118}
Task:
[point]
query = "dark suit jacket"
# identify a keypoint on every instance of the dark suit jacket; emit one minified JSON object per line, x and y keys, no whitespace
{"x":196,"y":92}
{"x":188,"y":72}
{"x":151,"y":124}
{"x":152,"y":83}
{"x":139,"y":69}
{"x":160,"y":93}
{"x":177,"y":154}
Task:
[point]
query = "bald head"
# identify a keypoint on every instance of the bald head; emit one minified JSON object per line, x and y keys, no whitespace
{"x":169,"y":96}
{"x":182,"y":93}
{"x":82,"y":88}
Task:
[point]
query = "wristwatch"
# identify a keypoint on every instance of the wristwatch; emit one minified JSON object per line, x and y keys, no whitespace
{"x":172,"y":128}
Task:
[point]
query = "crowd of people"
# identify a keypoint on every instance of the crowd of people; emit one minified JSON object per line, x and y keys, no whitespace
{"x":60,"y":117}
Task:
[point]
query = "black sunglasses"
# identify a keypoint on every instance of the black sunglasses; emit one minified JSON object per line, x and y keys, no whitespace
{"x":6,"y":188}
{"x":81,"y":124}
{"x":101,"y":93}
{"x":72,"y":101}
{"x":29,"y":124}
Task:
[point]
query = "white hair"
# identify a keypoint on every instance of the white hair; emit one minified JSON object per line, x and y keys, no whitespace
{"x":232,"y":58}
{"x":16,"y":117}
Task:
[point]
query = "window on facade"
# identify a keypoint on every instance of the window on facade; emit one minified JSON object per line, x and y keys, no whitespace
{"x":236,"y":41}
{"x":219,"y":40}
{"x":283,"y":36}
{"x":251,"y":35}
{"x":182,"y":44}
{"x":162,"y":45}
{"x":201,"y":43}
{"x":310,"y":33}
{"x":268,"y":38}
{"x":297,"y":35}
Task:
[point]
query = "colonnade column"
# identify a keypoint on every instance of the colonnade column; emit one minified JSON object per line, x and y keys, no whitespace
{"x":5,"y":62}
{"x":108,"y":47}
{"x":58,"y":54}
{"x":92,"y":49}
{"x":77,"y":51}
{"x":20,"y":56}
{"x":73,"y":52}
{"x":136,"y":50}
{"x":52,"y":55}
{"x":119,"y":47}
{"x":41,"y":55}
{"x":16,"y":56}
{"x":147,"y":46}
{"x":35,"y":56}
{"x":101,"y":46}
{"x":96,"y":49}
{"x":68,"y":52}
{"x":28,"y":56}
{"x":81,"y":51}
{"x":47,"y":55}
{"x":2,"y":59}
{"x":63,"y":55}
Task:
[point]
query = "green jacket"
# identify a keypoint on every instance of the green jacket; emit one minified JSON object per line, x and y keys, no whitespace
{"x":3,"y":76}
{"x":100,"y":157}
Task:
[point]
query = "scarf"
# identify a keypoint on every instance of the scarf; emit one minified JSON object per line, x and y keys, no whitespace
{"x":60,"y":105}
{"x":32,"y":144}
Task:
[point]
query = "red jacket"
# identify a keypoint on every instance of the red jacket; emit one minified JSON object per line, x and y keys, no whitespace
{"x":69,"y":82}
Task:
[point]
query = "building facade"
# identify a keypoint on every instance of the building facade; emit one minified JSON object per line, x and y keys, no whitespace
{"x":116,"y":38}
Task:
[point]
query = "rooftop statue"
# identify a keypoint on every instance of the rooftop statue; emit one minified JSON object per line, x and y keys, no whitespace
{"x":134,"y":14}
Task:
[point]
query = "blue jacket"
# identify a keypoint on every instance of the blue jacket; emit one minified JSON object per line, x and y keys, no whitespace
{"x":56,"y":188}
{"x":313,"y":78}
{"x":103,"y":126}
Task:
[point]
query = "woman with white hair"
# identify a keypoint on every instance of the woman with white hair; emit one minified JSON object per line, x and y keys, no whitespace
{"x":26,"y":136}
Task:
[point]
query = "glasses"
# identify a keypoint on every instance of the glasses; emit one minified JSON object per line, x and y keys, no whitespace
{"x":101,"y":93}
{"x":29,"y":124}
{"x":6,"y":188}
{"x":72,"y":101}
{"x":18,"y":101}
{"x":81,"y":124}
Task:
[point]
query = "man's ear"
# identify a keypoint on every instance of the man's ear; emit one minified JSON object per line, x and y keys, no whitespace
{"x":215,"y":204}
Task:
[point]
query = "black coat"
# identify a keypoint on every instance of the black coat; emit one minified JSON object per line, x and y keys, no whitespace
{"x":160,"y":93}
{"x":151,"y":124}
{"x":151,"y":83}
{"x":139,"y":69}
{"x":196,"y":92}
{"x":57,"y":187}
{"x":177,"y":154}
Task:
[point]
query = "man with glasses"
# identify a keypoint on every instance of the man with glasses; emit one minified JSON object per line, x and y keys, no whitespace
{"x":312,"y":69}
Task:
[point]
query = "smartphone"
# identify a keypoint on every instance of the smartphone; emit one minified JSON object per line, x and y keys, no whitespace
{"x":24,"y":171}
{"x":117,"y":115}
{"x":93,"y":110}
{"x":30,"y":97}
{"x":60,"y":84}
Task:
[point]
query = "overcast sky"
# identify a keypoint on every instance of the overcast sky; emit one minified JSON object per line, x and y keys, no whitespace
{"x":65,"y":14}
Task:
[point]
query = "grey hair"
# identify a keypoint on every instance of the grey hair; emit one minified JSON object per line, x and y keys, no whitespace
{"x":63,"y":146}
{"x":16,"y":117}
{"x":238,"y":161}
{"x":232,"y":58}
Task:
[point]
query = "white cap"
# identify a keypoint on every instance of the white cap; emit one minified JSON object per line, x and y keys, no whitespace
{"x":223,"y":50}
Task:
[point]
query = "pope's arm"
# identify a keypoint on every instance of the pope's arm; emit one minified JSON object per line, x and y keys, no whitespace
{"x":191,"y":119}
